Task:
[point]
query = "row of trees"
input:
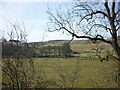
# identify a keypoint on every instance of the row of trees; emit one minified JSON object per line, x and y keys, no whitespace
{"x":16,"y":50}
{"x":23,"y":50}
{"x":54,"y":51}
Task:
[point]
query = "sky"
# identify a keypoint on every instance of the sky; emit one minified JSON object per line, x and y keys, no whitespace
{"x":34,"y":16}
{"x":33,"y":13}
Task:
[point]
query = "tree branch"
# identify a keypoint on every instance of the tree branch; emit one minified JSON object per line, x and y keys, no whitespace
{"x":102,"y":26}
{"x":117,"y":28}
{"x":91,"y":14}
{"x":88,"y":37}
{"x":107,"y":8}
{"x":100,"y":12}
{"x":113,"y":8}
{"x":117,"y":12}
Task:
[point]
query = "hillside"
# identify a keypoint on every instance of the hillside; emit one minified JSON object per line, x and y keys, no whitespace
{"x":59,"y":42}
{"x":76,"y":45}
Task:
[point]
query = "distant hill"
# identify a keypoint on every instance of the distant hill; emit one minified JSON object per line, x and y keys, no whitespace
{"x":81,"y":46}
{"x":59,"y":42}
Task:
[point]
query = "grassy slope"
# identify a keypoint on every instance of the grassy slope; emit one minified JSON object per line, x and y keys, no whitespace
{"x":85,"y":47}
{"x":92,"y":73}
{"x":81,"y":45}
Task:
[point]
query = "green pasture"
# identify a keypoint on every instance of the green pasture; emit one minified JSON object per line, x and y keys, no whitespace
{"x":90,"y":73}
{"x":82,"y":71}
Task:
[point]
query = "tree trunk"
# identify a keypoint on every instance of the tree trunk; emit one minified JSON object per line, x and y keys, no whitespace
{"x":115,"y":45}
{"x":114,"y":37}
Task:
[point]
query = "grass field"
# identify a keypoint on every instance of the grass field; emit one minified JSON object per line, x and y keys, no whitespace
{"x":83,"y":71}
{"x":74,"y":73}
{"x":91,"y":73}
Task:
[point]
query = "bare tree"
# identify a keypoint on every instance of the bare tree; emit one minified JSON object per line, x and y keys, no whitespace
{"x":17,"y":63}
{"x":90,"y":20}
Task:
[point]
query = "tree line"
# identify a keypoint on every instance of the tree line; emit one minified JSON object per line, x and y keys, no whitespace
{"x":18,"y":50}
{"x":54,"y":51}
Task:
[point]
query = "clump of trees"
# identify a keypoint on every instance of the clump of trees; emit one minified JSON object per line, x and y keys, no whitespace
{"x":16,"y":50}
{"x":54,"y":51}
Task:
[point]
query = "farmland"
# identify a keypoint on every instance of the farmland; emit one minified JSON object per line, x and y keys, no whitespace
{"x":92,"y":73}
{"x":64,"y":45}
{"x":83,"y":71}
